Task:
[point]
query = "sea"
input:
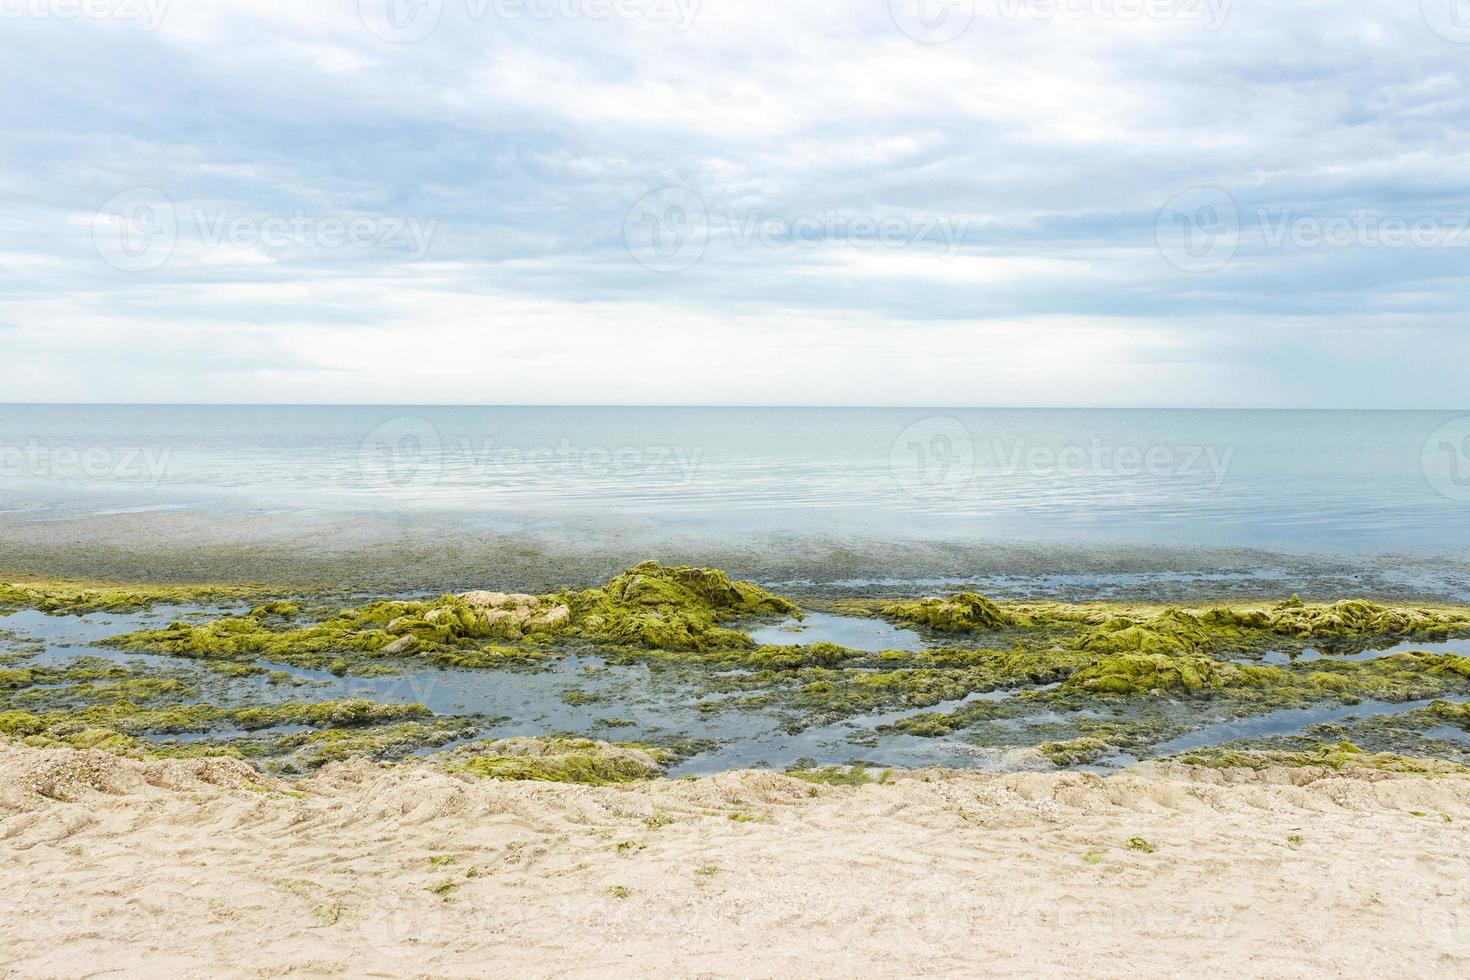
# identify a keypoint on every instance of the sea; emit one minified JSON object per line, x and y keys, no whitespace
{"x":1334,"y":482}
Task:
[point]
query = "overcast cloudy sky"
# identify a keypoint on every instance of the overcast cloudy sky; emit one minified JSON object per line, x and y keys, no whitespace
{"x":936,"y":202}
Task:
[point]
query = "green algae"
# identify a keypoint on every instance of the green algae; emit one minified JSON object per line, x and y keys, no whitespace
{"x":79,"y":598}
{"x":661,"y":608}
{"x":648,"y":606}
{"x":443,"y":633}
{"x":1338,"y":757}
{"x":304,"y":751}
{"x":855,"y":775}
{"x":121,"y":724}
{"x":1291,"y":624}
{"x":559,"y":759}
{"x":1076,"y":751}
{"x":1119,"y":678}
{"x":965,"y":612}
{"x":1410,"y":676}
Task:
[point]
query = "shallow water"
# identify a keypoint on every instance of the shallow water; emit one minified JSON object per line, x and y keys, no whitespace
{"x":1279,"y":659}
{"x":636,"y":703}
{"x":852,"y":632}
{"x":1289,"y":721}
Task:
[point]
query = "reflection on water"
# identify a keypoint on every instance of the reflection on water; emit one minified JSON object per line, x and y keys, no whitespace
{"x":1279,"y":659}
{"x":1288,"y":721}
{"x":852,"y":632}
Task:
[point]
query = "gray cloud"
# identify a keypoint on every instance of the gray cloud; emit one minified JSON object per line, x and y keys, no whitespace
{"x":843,"y":180}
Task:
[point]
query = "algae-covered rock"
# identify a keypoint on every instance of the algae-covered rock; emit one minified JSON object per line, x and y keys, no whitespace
{"x":1171,"y":631}
{"x":1356,"y":617}
{"x":648,"y":606}
{"x":965,"y":612}
{"x":1145,"y":673}
{"x":670,"y":609}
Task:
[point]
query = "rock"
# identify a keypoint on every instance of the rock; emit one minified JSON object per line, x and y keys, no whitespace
{"x":401,"y":625}
{"x":498,"y":600}
{"x":552,"y":618}
{"x":504,"y":624}
{"x":400,"y":647}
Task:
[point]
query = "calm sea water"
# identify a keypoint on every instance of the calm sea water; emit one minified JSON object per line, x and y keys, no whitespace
{"x":1339,"y":482}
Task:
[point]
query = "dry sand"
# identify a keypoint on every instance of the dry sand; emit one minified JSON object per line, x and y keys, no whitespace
{"x":163,"y":869}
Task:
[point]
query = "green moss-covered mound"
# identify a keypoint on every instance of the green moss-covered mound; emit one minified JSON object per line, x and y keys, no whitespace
{"x":557,"y":759}
{"x":966,"y":612}
{"x":663,"y":608}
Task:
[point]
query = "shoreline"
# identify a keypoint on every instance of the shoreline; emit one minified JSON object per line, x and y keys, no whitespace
{"x":205,"y":865}
{"x":424,"y":554}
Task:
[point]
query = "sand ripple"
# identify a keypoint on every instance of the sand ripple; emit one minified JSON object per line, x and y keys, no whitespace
{"x":118,"y":867}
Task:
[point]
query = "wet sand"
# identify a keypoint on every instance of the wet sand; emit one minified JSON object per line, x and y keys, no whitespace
{"x":119,"y":867}
{"x":441,"y":552}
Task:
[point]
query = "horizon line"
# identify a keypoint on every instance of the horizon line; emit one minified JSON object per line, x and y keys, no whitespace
{"x":731,"y":406}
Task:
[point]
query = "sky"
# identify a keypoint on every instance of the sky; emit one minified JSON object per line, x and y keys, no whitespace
{"x":1212,"y":203}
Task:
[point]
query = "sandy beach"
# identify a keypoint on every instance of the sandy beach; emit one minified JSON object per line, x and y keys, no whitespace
{"x":117,"y":867}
